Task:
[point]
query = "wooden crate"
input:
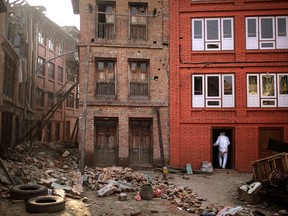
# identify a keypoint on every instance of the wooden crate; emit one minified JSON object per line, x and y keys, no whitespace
{"x":252,"y":199}
{"x":262,"y":168}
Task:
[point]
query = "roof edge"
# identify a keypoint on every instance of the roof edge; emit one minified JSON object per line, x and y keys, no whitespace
{"x":75,"y":5}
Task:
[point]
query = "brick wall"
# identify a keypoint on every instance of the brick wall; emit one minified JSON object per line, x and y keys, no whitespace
{"x":191,"y":134}
{"x":122,"y":49}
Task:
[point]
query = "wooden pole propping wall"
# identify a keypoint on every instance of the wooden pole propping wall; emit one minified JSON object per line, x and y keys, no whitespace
{"x":84,"y":111}
{"x":160,"y":136}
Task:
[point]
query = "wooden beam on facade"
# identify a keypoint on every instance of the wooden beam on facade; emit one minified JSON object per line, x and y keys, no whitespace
{"x":84,"y":111}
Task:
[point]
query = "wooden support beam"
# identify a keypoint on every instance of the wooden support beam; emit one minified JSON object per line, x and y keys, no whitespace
{"x":84,"y":111}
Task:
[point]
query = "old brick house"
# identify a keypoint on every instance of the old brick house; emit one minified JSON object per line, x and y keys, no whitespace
{"x":57,"y":81}
{"x":228,"y":71}
{"x":26,"y":89}
{"x":123,"y":81}
{"x":11,"y":77}
{"x":3,"y":10}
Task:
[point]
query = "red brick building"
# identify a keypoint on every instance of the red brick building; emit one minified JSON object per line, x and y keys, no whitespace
{"x":57,"y":79}
{"x":228,"y":71}
{"x":34,"y":69}
{"x":123,"y":81}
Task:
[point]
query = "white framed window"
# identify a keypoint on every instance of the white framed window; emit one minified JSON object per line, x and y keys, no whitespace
{"x":51,"y":43}
{"x":212,"y":34}
{"x":282,"y":90}
{"x":267,"y":90}
{"x":41,"y":36}
{"x":267,"y":32}
{"x":60,"y":48}
{"x":213,"y":91}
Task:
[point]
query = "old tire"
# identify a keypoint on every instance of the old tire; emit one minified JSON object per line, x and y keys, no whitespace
{"x":27,"y":191}
{"x":45,"y":204}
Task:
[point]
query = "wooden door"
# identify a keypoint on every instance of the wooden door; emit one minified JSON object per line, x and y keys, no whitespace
{"x":264,"y":135}
{"x":106,"y":148}
{"x":140,"y":150}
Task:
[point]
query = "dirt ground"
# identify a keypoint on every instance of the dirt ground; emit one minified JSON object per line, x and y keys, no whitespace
{"x":219,"y":188}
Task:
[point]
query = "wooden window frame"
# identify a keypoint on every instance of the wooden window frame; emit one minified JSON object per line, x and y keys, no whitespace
{"x":105,"y":79}
{"x":60,"y":71}
{"x":105,"y":21}
{"x":41,"y":70}
{"x":138,"y":22}
{"x":51,"y":70}
{"x":40,"y":97}
{"x":50,"y":99}
{"x":10,"y":70}
{"x":70,"y":101}
{"x":138,"y":80}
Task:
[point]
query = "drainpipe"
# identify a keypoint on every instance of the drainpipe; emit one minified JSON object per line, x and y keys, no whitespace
{"x":160,"y":136}
{"x":84,"y":111}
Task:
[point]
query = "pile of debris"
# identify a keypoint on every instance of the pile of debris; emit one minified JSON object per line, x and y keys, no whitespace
{"x":56,"y":167}
{"x":270,"y":181}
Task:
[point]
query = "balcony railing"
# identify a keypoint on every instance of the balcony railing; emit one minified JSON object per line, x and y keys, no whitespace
{"x":105,"y":88}
{"x":138,"y":32}
{"x":138,"y":89}
{"x":105,"y":30}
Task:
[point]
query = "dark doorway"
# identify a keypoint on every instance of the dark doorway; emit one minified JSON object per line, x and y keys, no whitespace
{"x":140,"y":143}
{"x":7,"y":128}
{"x":264,"y":135}
{"x":106,"y":144}
{"x":229,"y":132}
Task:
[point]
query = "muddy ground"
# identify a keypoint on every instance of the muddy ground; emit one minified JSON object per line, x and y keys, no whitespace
{"x":220,"y":190}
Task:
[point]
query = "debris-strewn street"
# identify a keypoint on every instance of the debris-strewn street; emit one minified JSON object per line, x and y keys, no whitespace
{"x":118,"y":190}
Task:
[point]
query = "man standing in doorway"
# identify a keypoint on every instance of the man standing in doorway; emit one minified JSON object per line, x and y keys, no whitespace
{"x":222,"y":142}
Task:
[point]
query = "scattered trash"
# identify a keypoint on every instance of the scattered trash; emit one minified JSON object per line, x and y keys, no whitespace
{"x":122,"y":196}
{"x":146,"y":192}
{"x":206,"y":167}
{"x":189,"y":169}
{"x":137,"y":196}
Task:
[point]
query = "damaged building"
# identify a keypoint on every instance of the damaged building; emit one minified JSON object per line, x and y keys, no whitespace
{"x":124,"y":58}
{"x":39,"y":76}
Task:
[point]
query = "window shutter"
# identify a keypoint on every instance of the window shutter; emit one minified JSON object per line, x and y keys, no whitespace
{"x":252,"y":90}
{"x":281,"y":33}
{"x":198,"y":91}
{"x":227,"y":34}
{"x":197,"y":34}
{"x":251,"y":33}
{"x":228,"y":90}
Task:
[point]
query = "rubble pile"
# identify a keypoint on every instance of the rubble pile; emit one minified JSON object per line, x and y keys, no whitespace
{"x":56,"y":167}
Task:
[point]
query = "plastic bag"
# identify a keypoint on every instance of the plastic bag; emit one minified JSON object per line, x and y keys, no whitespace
{"x":206,"y":166}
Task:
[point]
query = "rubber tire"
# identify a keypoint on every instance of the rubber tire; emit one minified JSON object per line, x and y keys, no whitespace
{"x":27,"y":191}
{"x":45,"y":204}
